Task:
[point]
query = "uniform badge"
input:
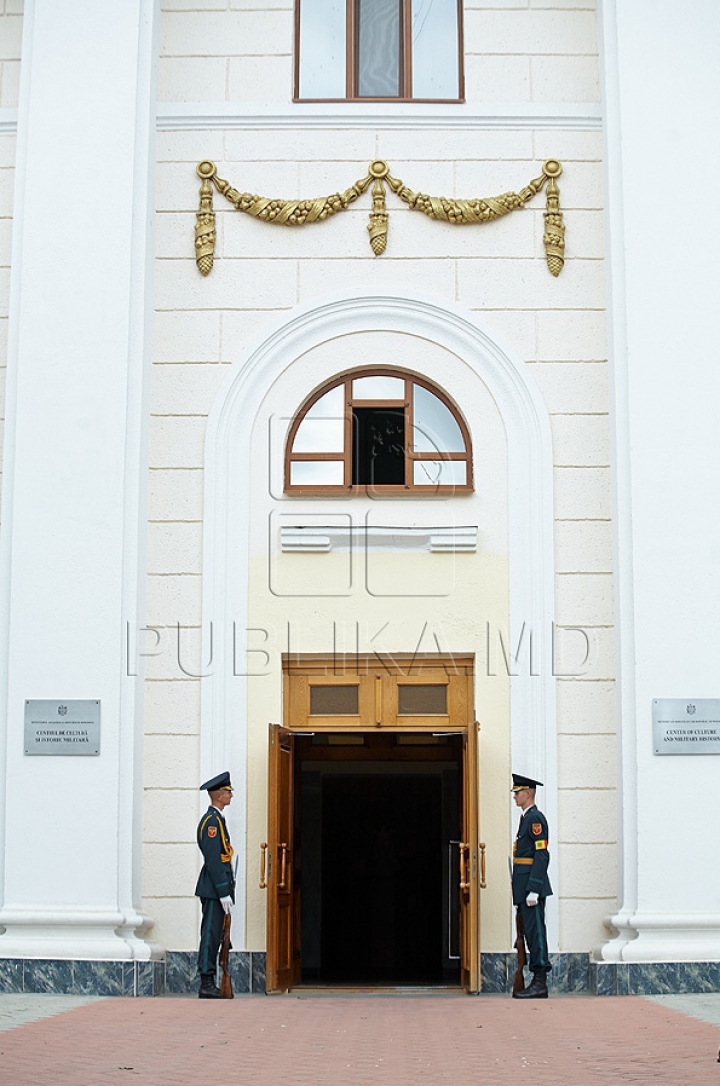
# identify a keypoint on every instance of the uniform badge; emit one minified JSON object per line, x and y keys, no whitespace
{"x":537,"y":828}
{"x":212,"y":831}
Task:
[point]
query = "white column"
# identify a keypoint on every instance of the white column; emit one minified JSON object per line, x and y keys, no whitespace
{"x":662,"y":89}
{"x":74,"y":501}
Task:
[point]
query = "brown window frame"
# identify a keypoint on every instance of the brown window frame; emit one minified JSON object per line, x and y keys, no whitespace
{"x":409,"y":487}
{"x":351,"y":67}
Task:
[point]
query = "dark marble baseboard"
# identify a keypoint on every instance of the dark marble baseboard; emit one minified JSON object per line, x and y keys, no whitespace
{"x":570,"y":973}
{"x":177,"y":975}
{"x":576,"y":973}
{"x":60,"y":977}
{"x":247,"y":970}
{"x":654,"y":978}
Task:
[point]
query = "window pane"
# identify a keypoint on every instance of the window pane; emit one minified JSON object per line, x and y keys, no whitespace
{"x":322,"y":429}
{"x":440,"y":473}
{"x":435,"y":426}
{"x":317,"y":473}
{"x":378,"y":388}
{"x":435,"y":49}
{"x":378,"y":48}
{"x":322,"y":48}
{"x":334,"y":701}
{"x":422,"y":700}
{"x":378,"y":446}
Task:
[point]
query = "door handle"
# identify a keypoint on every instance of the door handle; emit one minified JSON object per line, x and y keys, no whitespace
{"x":263,"y":858}
{"x":464,"y":851}
{"x":483,"y":883}
{"x":452,"y":932}
{"x":284,"y":850}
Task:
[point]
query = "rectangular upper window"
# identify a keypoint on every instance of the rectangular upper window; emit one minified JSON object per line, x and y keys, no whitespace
{"x":378,"y":50}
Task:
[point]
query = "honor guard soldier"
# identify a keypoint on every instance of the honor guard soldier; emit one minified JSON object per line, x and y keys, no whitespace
{"x":530,"y":883}
{"x":216,"y":883}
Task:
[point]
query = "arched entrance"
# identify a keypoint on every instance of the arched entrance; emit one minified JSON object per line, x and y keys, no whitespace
{"x":277,"y":365}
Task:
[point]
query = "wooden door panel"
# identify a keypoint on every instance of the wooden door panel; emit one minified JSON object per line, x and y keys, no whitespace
{"x":469,"y":865}
{"x":280,"y":941}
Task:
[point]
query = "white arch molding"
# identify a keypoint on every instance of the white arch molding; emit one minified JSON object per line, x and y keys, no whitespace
{"x":227,"y":509}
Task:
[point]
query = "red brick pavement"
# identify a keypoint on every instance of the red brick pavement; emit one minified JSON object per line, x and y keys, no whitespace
{"x":362,"y":1041}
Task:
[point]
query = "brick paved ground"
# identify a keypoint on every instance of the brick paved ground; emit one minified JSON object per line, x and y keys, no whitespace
{"x":363,"y":1041}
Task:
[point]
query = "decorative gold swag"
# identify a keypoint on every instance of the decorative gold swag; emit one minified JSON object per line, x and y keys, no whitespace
{"x":457,"y":212}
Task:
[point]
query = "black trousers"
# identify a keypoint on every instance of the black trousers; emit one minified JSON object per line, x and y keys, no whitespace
{"x":211,"y":931}
{"x":533,"y":918}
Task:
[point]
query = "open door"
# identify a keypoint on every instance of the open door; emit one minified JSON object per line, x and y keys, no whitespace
{"x":280,"y":934}
{"x":469,"y":881}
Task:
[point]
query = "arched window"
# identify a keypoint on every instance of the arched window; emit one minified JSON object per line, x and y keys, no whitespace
{"x":382,"y":431}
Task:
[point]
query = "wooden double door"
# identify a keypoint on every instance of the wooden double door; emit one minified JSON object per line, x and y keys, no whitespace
{"x":372,"y":863}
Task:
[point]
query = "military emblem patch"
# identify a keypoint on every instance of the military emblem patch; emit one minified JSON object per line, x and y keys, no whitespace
{"x":212,"y":831}
{"x":537,"y":828}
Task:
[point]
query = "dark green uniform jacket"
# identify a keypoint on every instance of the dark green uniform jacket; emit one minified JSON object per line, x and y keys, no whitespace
{"x":216,"y":878}
{"x":531,"y":857}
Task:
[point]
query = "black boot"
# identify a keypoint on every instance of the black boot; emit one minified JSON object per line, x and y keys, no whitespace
{"x":208,"y":987}
{"x":536,"y":990}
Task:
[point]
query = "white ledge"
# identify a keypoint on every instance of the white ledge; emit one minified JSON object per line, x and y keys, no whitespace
{"x":320,"y":539}
{"x":189,"y":116}
{"x":195,"y":115}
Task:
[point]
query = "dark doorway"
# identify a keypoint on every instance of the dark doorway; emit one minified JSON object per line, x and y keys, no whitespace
{"x":384,"y":833}
{"x":377,"y":863}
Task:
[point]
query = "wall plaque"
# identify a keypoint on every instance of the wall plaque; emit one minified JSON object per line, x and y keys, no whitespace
{"x":686,"y":726}
{"x":62,"y":727}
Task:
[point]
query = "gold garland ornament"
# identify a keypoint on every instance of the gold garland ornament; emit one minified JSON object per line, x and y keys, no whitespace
{"x":456,"y":212}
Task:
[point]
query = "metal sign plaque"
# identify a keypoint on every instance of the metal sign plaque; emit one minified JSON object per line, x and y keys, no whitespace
{"x":686,"y":727}
{"x":62,"y":727}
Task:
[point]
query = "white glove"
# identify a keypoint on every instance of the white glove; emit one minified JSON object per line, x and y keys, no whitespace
{"x":226,"y":903}
{"x":531,"y":899}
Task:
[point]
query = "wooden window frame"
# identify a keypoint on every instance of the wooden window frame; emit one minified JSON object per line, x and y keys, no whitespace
{"x":349,"y":489}
{"x":351,"y":68}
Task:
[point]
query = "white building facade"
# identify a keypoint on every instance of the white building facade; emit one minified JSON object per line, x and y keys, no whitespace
{"x":177,"y":550}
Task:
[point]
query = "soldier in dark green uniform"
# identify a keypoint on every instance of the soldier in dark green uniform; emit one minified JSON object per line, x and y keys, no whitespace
{"x":530,"y":883}
{"x":216,"y":883}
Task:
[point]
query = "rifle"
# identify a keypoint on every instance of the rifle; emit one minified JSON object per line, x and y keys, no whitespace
{"x":226,"y":991}
{"x":519,"y":982}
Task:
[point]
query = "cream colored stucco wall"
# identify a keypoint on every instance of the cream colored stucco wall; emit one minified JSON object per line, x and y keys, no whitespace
{"x":535,"y":53}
